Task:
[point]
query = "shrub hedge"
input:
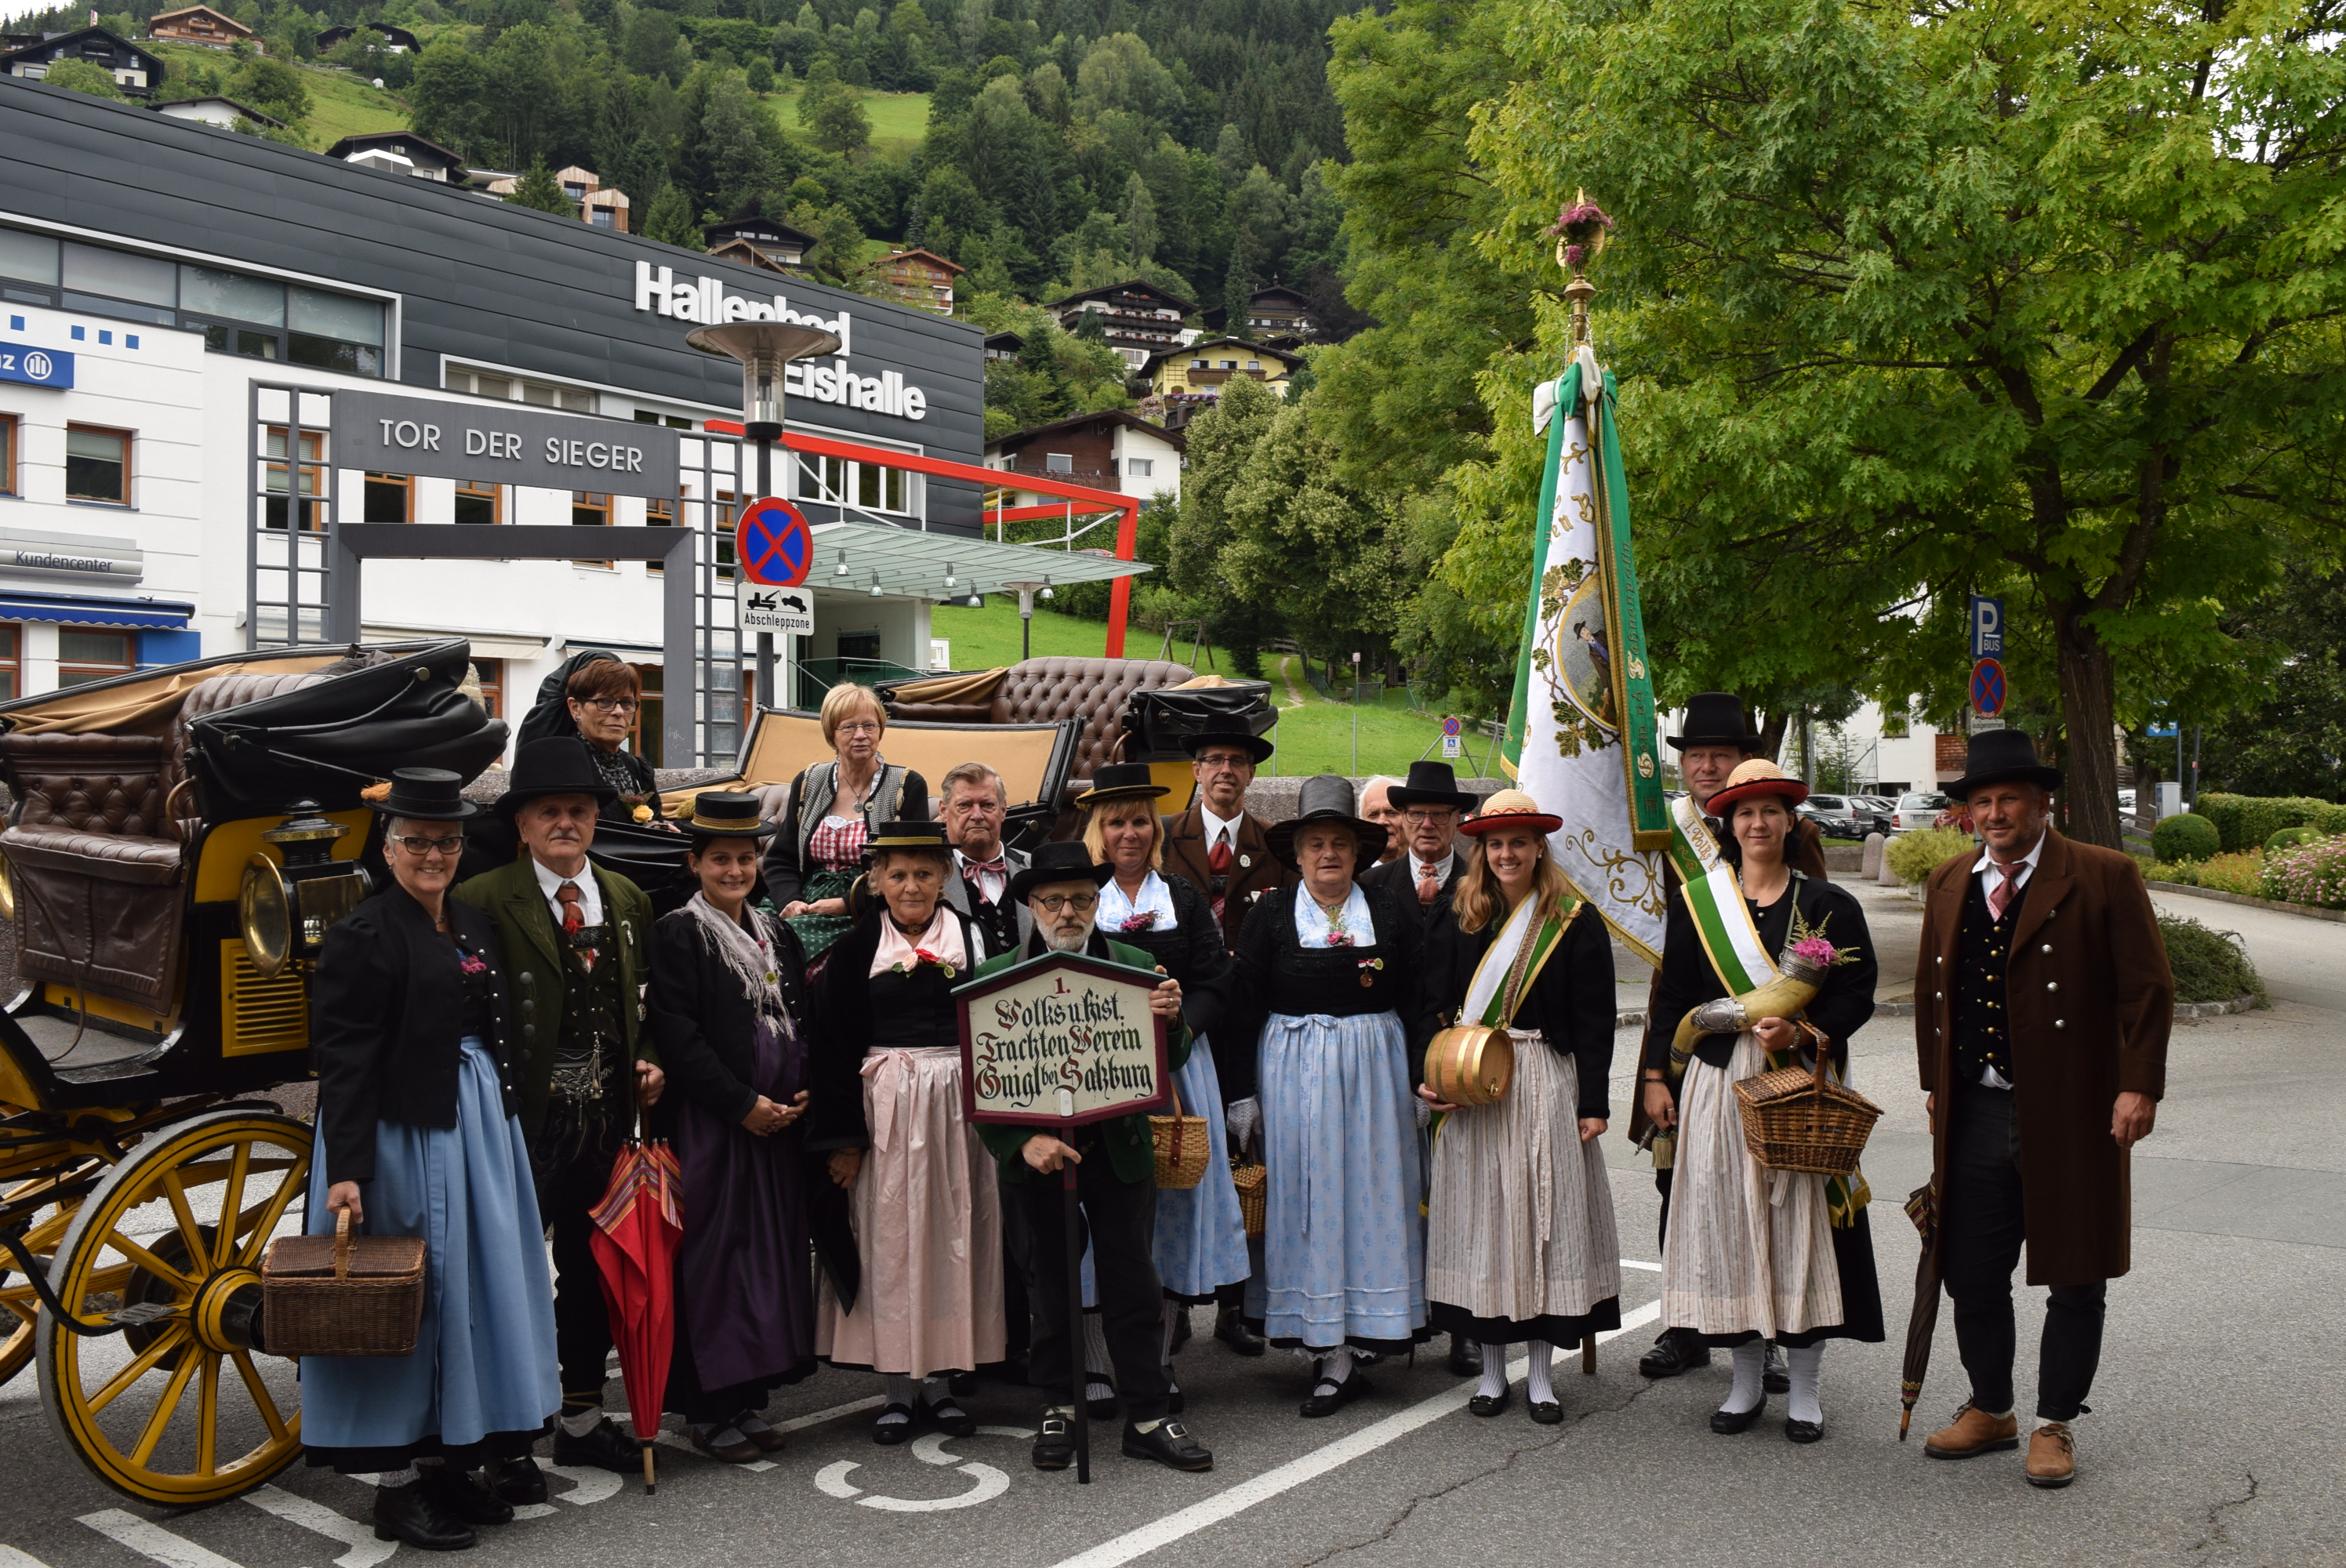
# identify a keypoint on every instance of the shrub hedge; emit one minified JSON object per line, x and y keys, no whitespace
{"x":2310,"y":874}
{"x":2186,"y":838}
{"x":1915,"y":856}
{"x":2246,"y":821}
{"x":2209,"y":965}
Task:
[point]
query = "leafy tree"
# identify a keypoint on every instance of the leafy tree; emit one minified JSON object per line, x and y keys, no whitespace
{"x":729,"y":149}
{"x":540,"y":190}
{"x":82,"y":76}
{"x":1221,"y":444}
{"x":837,"y":255}
{"x":271,"y":87}
{"x":761,"y":77}
{"x":833,"y":113}
{"x":1140,"y":220}
{"x":2293,"y":740}
{"x":449,"y":95}
{"x":655,"y":45}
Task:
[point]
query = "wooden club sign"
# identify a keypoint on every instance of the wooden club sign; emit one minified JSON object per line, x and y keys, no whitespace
{"x":1060,"y":1041}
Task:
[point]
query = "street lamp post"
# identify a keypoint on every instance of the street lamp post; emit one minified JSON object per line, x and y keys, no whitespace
{"x":763,"y":348}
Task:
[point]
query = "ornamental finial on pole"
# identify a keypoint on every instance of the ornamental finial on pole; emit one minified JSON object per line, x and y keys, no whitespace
{"x":1579,"y":232}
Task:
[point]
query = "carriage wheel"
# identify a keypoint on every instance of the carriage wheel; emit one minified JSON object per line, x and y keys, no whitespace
{"x":19,"y":1306}
{"x":184,"y":1411}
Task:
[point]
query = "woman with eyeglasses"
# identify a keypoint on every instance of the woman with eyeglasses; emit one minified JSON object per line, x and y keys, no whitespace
{"x":417,"y":1136}
{"x":603,"y":696}
{"x":829,"y":816}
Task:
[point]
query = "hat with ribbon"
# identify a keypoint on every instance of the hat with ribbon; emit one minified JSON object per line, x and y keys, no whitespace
{"x":1756,"y":775}
{"x":1121,"y":781}
{"x":909,"y":836}
{"x":1510,"y":808}
{"x":557,"y":765}
{"x":1431,"y":784}
{"x":724,"y":814}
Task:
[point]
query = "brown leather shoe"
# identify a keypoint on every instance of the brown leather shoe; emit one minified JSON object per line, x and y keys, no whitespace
{"x":1975,"y":1431}
{"x":2052,"y":1456}
{"x":740,"y":1451}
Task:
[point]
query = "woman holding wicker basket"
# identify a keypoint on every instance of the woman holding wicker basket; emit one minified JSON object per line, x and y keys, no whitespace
{"x":1755,"y":1254}
{"x":1521,"y":1247}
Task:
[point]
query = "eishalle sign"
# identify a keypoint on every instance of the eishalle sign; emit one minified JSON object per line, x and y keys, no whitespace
{"x":703,"y":300}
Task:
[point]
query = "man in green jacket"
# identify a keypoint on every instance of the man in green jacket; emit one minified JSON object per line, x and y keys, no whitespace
{"x":1116,"y":1176}
{"x":573,"y":939}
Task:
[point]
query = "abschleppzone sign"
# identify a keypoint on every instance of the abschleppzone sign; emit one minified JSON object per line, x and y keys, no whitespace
{"x":494,"y":443}
{"x":1062,"y":1039}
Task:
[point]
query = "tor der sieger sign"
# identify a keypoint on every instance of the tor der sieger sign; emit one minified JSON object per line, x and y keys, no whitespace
{"x":1062,"y":1040}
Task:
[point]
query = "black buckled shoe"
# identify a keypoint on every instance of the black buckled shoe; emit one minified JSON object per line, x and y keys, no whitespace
{"x":888,"y":1434}
{"x":1727,"y":1423}
{"x":1169,"y":1444}
{"x":1466,"y":1357}
{"x":1547,"y":1413}
{"x":605,"y":1447}
{"x":407,"y":1513}
{"x":1487,"y":1404}
{"x":1230,"y":1328}
{"x":1775,"y":1377}
{"x":1337,"y":1395}
{"x":1802,"y":1431}
{"x":456,"y":1494}
{"x":1675,"y":1351}
{"x":518,"y":1480}
{"x":1055,"y":1445}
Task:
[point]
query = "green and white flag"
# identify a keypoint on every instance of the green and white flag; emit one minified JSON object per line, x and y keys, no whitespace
{"x":1581,"y":731}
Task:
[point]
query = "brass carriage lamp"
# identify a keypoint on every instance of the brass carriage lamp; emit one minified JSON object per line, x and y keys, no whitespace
{"x":283,"y":910}
{"x":764,"y":348}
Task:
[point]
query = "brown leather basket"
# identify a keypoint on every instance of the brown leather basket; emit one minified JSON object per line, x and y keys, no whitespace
{"x":1797,"y":1119}
{"x":1470,"y":1065}
{"x":343,"y":1295}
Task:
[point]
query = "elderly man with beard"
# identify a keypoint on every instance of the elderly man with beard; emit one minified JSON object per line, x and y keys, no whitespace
{"x":1116,"y":1167}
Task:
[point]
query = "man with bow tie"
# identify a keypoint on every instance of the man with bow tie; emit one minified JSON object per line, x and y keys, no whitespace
{"x":1220,"y":847}
{"x":973,"y":808}
{"x":574,"y":940}
{"x":1431,"y":806}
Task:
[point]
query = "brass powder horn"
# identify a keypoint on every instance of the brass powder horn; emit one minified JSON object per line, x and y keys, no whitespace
{"x":283,"y":913}
{"x":1793,"y":989}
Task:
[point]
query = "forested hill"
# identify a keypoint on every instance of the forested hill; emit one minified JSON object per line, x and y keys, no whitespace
{"x":1064,"y":142}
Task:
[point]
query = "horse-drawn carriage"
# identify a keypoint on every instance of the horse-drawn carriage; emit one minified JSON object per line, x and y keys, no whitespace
{"x":179,"y":841}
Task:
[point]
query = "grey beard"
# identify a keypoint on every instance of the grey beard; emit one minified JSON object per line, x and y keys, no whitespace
{"x":1075,"y":944}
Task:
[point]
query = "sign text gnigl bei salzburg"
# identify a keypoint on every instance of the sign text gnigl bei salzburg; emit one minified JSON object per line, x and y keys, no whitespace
{"x":1062,"y":1039}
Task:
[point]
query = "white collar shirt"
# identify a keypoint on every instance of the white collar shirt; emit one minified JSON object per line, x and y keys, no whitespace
{"x":1438,"y":870}
{"x":993,"y":884}
{"x":590,"y":897}
{"x":1217,"y":826}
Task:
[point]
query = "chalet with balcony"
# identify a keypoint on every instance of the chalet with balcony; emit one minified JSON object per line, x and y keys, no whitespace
{"x":1113,"y":450}
{"x":1191,"y":378}
{"x":1139,"y":319}
{"x":921,"y":278}
{"x":135,"y":72}
{"x":377,"y":34}
{"x":199,"y":25}
{"x":1281,"y":317}
{"x":401,"y":152}
{"x":1003,"y":345}
{"x":766,"y":242}
{"x":216,"y":111}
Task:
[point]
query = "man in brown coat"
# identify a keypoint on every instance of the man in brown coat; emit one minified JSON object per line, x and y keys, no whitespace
{"x":1218,"y":844}
{"x":2044,"y":1002}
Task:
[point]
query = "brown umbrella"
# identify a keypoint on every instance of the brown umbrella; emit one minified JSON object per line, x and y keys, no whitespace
{"x":1923,"y":1208}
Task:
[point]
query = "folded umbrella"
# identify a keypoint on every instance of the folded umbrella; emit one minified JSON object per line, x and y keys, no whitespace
{"x":636,"y":1227}
{"x":1923,"y":1208}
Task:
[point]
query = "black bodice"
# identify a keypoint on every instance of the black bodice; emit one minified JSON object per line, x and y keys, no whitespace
{"x":915,"y":1010}
{"x":477,"y":988}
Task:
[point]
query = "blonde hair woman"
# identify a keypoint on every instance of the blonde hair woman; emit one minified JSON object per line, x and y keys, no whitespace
{"x":830,"y":814}
{"x":1199,"y":1246}
{"x":1521,"y":1246}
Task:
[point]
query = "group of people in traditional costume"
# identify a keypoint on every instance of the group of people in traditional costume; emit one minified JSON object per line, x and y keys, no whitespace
{"x":486,"y":1047}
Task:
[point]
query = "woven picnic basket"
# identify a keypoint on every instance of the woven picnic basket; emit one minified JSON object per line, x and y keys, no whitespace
{"x":343,"y":1295}
{"x":1183,"y":1144}
{"x":1798,"y":1119}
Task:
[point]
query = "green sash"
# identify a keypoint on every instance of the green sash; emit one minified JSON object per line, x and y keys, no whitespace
{"x":1513,"y":962}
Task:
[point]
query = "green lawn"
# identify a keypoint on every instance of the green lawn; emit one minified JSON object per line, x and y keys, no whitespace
{"x":1315,"y":737}
{"x":341,"y":104}
{"x":898,"y":120}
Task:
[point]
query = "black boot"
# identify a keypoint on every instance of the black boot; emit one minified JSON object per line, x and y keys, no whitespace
{"x":1676,"y":1350}
{"x":518,"y":1480}
{"x":605,"y":1447}
{"x":1466,"y":1357}
{"x":408,"y":1514}
{"x":1230,"y":1328}
{"x":456,"y":1494}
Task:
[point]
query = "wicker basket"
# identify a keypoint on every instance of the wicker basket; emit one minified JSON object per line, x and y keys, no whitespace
{"x":343,"y":1295}
{"x":1470,"y":1065}
{"x":1183,"y":1143}
{"x":1253,"y":1184}
{"x":1798,"y":1119}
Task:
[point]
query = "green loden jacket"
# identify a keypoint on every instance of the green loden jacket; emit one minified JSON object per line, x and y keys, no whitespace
{"x":1130,"y":1152}
{"x":526,"y":941}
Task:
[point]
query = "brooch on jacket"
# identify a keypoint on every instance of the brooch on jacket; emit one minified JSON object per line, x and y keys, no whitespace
{"x":638,"y":807}
{"x":922,"y":955}
{"x":1139,"y":919}
{"x":1367,"y":965}
{"x":472,"y":963}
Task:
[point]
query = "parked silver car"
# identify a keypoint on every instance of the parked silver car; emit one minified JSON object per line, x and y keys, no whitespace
{"x":1918,"y":808}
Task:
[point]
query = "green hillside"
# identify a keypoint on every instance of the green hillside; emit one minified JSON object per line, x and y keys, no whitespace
{"x":341,"y":104}
{"x":898,"y":120}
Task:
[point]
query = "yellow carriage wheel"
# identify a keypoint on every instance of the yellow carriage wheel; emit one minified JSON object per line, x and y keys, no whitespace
{"x":182,"y":1411}
{"x":20,"y":1307}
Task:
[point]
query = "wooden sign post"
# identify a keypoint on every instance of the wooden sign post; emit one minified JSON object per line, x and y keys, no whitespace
{"x":1054,"y":1043}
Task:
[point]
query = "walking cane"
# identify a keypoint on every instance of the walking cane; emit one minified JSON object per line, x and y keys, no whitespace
{"x":1076,"y":1312}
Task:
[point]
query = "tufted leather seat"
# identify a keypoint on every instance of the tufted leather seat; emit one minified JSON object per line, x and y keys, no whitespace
{"x":1094,"y":690}
{"x":210,"y":696}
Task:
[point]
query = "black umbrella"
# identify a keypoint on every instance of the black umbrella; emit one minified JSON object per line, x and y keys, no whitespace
{"x":1923,"y":1208}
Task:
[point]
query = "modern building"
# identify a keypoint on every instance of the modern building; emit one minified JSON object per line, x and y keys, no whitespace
{"x":921,"y":278}
{"x":1139,"y":319}
{"x":216,"y":111}
{"x":605,"y":208}
{"x":380,"y":34}
{"x":1114,"y":450}
{"x":199,"y":25}
{"x":1191,"y":378}
{"x":220,"y":355}
{"x":401,"y":152}
{"x":135,"y":72}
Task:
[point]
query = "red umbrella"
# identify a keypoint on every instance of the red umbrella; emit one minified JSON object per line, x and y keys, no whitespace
{"x":636,"y":1226}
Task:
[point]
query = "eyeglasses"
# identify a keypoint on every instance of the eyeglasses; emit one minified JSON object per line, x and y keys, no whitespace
{"x":420,"y":847}
{"x":859,"y":726}
{"x":609,"y":704}
{"x":1440,"y":819}
{"x":1051,"y":903}
{"x":1225,"y":761}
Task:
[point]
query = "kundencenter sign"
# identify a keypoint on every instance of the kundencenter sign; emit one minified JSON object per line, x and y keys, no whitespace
{"x":1062,"y":1039}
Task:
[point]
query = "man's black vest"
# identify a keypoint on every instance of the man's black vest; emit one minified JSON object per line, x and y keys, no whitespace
{"x":1982,"y":1022}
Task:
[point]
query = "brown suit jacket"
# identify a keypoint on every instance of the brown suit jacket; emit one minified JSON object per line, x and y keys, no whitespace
{"x":2091,"y":1000}
{"x":1253,"y":872}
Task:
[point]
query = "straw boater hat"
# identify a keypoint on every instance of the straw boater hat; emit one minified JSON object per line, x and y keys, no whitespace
{"x":2002,"y":757}
{"x":1121,"y":781}
{"x":1510,"y":808}
{"x":724,"y":814}
{"x":1714,"y":718}
{"x":1226,"y":730}
{"x":1328,"y":799}
{"x":1066,"y":862}
{"x":1756,"y":775}
{"x":424,"y":795}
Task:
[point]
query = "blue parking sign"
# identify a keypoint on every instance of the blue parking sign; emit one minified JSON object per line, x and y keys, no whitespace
{"x":1987,"y":627}
{"x":35,"y":367}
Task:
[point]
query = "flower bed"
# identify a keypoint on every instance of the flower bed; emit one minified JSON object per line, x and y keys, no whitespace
{"x":2311,"y":874}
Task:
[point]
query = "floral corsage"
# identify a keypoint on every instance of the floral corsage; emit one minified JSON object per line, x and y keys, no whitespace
{"x":638,"y":807}
{"x":922,"y":955}
{"x":472,"y":963}
{"x":1811,"y":949}
{"x":1139,"y":919}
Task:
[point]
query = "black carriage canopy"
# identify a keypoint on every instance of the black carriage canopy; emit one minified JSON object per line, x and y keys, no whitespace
{"x":1159,"y":718}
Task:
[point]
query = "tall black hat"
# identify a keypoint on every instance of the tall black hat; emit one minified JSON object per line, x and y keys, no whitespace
{"x":426,"y":795}
{"x":1064,"y":862}
{"x":1121,"y":781}
{"x":557,"y":765}
{"x":1328,"y":799}
{"x":1226,"y":729}
{"x":724,"y":814}
{"x":1431,"y":784}
{"x":2000,"y":757}
{"x":1714,"y":718}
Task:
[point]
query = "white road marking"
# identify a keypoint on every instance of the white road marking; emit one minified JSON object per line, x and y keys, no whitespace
{"x":533,"y":1510}
{"x":1188,"y":1520}
{"x":364,"y":1551}
{"x":11,"y":1558}
{"x":799,"y":1423}
{"x":929,"y":1448}
{"x":153,"y":1542}
{"x":678,"y":1440}
{"x":1648,"y":1267}
{"x":588,"y":1483}
{"x":832,"y":1480}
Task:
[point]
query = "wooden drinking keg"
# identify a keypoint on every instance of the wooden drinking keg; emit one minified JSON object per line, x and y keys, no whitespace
{"x":1470,"y":1065}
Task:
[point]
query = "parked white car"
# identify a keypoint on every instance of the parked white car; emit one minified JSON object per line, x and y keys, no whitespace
{"x":1918,"y":808}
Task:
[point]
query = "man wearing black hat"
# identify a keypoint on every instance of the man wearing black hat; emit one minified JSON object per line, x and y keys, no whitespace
{"x":1116,"y":1165}
{"x":1431,"y":806}
{"x":1218,"y":845}
{"x":2042,"y":1005}
{"x":573,"y":937}
{"x":1712,"y":742}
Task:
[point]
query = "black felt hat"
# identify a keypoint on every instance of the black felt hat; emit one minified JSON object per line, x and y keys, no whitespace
{"x":2000,"y":757}
{"x":1431,"y":784}
{"x":1328,"y":799}
{"x":909,"y":836}
{"x":1226,"y":729}
{"x":1121,"y":781}
{"x":426,"y":795}
{"x":724,"y":814}
{"x":557,"y":765}
{"x":1714,"y":718}
{"x":1064,"y":862}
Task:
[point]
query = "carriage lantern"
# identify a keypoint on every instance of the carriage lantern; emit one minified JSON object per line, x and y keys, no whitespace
{"x":283,"y":912}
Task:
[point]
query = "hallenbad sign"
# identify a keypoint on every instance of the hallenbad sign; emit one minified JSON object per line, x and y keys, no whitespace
{"x":704,"y":301}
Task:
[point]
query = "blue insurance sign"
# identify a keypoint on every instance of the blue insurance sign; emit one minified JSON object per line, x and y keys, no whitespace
{"x":35,"y":367}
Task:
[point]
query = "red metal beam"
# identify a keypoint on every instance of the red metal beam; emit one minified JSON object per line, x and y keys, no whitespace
{"x":1128,"y":530}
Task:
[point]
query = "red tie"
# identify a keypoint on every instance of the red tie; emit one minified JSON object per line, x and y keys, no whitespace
{"x":574,"y":918}
{"x":1429,"y":888}
{"x":1999,"y":890}
{"x":1218,"y":861}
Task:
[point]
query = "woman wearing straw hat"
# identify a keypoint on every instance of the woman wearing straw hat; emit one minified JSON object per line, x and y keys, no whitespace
{"x":728,"y":1004}
{"x":1329,"y":977}
{"x":1521,"y":1247}
{"x":1752,"y":1255}
{"x":418,"y":1136}
{"x":887,"y":1110}
{"x":1199,"y":1244}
